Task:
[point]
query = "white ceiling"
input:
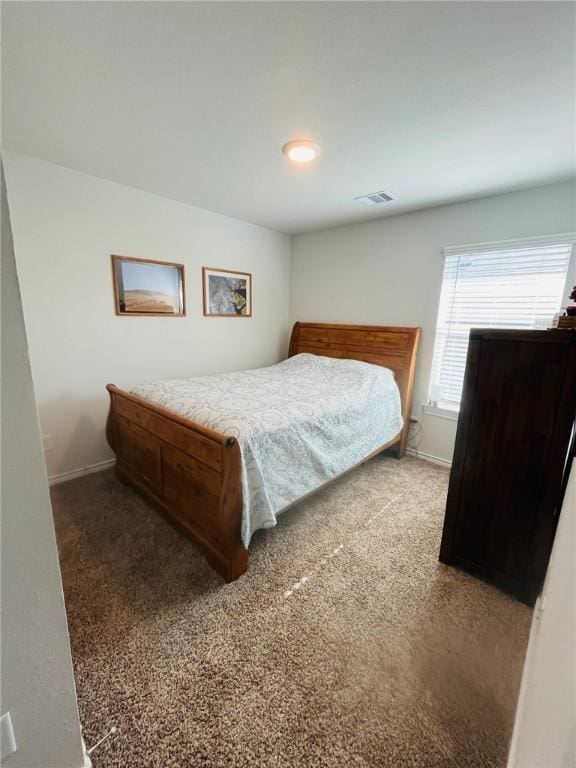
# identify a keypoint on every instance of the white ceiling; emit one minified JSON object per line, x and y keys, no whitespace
{"x":431,"y":102}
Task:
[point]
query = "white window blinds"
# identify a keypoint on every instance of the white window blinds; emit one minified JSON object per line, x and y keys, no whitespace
{"x":492,"y":287}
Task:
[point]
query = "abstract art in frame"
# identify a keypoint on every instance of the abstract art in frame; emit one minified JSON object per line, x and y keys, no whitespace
{"x":147,"y":287}
{"x":226,"y":293}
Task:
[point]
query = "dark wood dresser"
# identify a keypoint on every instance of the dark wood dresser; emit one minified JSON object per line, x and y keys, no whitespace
{"x":515,"y":434}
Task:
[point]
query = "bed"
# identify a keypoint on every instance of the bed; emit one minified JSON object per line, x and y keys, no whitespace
{"x":222,"y":456}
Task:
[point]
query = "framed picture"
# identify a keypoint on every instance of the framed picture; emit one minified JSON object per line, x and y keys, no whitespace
{"x":227,"y":293}
{"x":148,"y":288}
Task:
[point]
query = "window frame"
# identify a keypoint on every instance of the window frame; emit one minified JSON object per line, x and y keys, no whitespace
{"x":448,"y":410}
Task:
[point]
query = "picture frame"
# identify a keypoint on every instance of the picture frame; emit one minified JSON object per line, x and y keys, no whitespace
{"x":148,"y":287}
{"x":226,"y":292}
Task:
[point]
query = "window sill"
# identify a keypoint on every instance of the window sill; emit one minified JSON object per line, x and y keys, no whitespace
{"x":441,"y":413}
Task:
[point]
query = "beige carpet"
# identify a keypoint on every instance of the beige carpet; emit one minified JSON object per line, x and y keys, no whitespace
{"x":346,"y":644}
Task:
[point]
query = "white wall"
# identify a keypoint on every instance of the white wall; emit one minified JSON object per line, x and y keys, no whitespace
{"x":37,"y":680}
{"x":66,"y":225}
{"x":389,"y":271}
{"x":386,"y":271}
{"x":545,"y":728}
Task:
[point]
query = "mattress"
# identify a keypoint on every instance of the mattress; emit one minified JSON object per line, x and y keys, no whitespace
{"x":299,"y":423}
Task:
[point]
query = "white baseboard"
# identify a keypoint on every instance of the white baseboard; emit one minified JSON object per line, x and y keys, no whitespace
{"x":73,"y":474}
{"x":429,"y":457}
{"x":87,"y":762}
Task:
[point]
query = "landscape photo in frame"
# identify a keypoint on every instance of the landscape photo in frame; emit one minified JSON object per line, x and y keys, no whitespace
{"x":148,"y":287}
{"x":226,"y":293}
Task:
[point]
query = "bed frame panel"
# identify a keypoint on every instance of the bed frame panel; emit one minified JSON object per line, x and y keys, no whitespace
{"x":192,"y":473}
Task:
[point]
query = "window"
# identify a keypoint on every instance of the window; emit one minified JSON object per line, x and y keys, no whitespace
{"x":494,"y":286}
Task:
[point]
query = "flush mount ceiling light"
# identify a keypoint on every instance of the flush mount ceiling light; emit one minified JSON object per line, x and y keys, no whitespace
{"x":301,"y":150}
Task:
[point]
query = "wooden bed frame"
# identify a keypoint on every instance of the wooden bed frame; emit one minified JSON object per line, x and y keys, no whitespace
{"x":192,"y":473}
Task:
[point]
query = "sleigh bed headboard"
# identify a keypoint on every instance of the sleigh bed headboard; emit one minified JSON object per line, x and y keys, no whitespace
{"x":389,"y":346}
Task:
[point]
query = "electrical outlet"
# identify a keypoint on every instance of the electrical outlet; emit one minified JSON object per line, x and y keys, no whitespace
{"x":47,"y":442}
{"x":7,"y":739}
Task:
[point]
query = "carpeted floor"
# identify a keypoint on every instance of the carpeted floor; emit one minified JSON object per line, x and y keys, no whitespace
{"x":345,"y":645}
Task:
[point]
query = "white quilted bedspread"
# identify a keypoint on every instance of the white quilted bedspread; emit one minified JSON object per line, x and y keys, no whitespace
{"x":298,"y":423}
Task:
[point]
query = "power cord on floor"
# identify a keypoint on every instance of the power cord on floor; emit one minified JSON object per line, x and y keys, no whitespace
{"x":415,"y":436}
{"x":111,"y":732}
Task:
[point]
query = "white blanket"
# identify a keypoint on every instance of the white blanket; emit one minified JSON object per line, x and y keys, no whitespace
{"x":298,"y":423}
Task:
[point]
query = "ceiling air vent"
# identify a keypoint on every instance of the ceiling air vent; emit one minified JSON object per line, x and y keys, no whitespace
{"x":375,"y":198}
